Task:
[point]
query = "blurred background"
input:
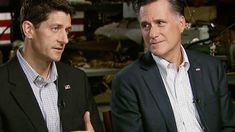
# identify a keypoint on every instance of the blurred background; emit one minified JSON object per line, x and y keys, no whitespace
{"x":106,"y":37}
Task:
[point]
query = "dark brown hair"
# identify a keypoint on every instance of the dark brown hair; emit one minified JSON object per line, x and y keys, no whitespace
{"x":37,"y":11}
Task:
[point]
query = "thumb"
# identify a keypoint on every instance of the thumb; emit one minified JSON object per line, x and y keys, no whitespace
{"x":87,"y":120}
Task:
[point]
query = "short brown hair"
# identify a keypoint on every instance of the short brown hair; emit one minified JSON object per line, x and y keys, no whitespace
{"x":37,"y":11}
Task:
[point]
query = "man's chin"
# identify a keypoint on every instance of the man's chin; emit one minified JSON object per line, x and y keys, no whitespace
{"x":156,"y":53}
{"x":56,"y":59}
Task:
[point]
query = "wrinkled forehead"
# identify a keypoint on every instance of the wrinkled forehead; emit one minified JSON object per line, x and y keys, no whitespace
{"x":160,"y":8}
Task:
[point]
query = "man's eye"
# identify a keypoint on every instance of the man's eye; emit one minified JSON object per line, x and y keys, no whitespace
{"x":55,"y":29}
{"x":68,"y":30}
{"x":161,"y":23}
{"x":146,"y":26}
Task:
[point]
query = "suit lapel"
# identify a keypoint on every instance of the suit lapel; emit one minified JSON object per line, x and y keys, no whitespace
{"x":157,"y":89}
{"x":196,"y":75}
{"x":64,"y":90}
{"x":24,"y":96}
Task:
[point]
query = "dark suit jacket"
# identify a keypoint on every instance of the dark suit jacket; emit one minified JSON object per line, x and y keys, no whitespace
{"x":140,"y":102}
{"x":20,"y":112}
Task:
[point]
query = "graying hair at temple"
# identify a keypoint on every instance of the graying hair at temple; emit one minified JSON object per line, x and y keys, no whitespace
{"x":177,"y":5}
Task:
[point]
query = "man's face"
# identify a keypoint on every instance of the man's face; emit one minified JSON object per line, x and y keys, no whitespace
{"x":161,"y":28}
{"x":50,"y":38}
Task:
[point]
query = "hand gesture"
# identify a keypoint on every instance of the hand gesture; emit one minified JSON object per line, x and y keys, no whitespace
{"x":88,"y":124}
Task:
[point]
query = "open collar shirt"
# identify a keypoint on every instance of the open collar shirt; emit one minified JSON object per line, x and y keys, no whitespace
{"x":45,"y":92}
{"x":179,"y":92}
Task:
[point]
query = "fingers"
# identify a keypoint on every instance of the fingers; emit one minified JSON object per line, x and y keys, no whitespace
{"x":88,"y":124}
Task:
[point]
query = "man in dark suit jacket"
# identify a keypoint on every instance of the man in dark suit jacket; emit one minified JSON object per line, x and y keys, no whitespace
{"x":19,"y":108}
{"x":170,"y":89}
{"x":38,"y":93}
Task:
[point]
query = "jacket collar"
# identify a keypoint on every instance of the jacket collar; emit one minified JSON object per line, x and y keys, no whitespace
{"x":196,"y":78}
{"x":24,"y":96}
{"x":152,"y":77}
{"x":64,"y":96}
{"x":151,"y":74}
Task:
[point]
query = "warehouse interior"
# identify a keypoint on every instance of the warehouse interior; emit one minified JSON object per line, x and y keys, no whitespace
{"x":106,"y":37}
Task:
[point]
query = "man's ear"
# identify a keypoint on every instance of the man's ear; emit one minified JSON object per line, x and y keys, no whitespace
{"x":28,"y":28}
{"x":182,"y":23}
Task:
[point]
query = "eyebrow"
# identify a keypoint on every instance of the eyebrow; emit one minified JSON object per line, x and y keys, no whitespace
{"x":156,"y":20}
{"x":60,"y":25}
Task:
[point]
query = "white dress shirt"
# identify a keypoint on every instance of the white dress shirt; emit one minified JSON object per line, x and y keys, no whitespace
{"x":179,"y":91}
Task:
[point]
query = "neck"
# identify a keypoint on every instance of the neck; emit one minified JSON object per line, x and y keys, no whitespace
{"x":177,"y":58}
{"x":40,"y":66}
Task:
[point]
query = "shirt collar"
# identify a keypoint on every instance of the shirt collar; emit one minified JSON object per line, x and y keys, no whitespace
{"x":164,"y":64}
{"x":32,"y":75}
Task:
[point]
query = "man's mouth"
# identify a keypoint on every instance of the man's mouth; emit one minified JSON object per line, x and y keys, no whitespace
{"x":156,"y":42}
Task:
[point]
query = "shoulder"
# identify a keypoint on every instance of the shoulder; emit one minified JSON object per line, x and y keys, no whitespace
{"x":208,"y":63}
{"x":136,"y":69}
{"x":3,"y":67}
{"x":130,"y":69}
{"x":9,"y":65}
{"x":3,"y":71}
{"x":68,"y":69}
{"x":202,"y":57}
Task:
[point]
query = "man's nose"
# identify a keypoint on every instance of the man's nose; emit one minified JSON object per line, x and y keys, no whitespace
{"x":64,"y":37}
{"x":154,"y":32}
